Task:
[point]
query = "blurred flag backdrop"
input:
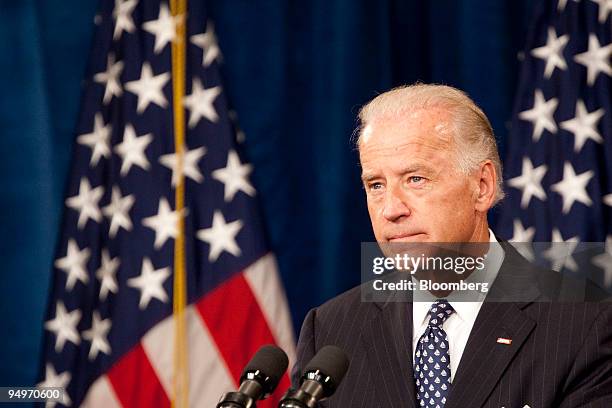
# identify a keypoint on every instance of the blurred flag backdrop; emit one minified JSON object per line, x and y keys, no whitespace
{"x":559,"y":154}
{"x":295,"y":73}
{"x":155,"y":203}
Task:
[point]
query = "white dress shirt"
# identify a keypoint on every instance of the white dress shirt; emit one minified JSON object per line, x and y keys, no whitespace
{"x":458,"y":325}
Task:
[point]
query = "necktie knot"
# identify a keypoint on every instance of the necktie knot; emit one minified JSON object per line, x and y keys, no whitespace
{"x":439,"y":311}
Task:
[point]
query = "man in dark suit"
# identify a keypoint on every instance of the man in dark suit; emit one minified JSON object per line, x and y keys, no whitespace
{"x":431,"y":172}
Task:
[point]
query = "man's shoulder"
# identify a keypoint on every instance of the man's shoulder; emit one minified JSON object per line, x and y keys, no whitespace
{"x":520,"y":279}
{"x":568,"y":313}
{"x":344,"y":302}
{"x":348,"y":309}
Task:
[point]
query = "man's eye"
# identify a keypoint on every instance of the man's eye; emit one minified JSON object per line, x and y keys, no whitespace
{"x":376,"y":186}
{"x":416,"y":179}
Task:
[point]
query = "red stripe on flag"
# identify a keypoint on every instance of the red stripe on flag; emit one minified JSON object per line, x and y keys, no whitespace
{"x":135,"y":381}
{"x":235,"y":322}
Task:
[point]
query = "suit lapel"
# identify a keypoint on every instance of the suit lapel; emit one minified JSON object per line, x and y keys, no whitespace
{"x":484,"y":360}
{"x":388,"y":341}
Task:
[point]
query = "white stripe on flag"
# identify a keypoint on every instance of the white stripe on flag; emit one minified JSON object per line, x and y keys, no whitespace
{"x":208,"y":375}
{"x":101,"y":394}
{"x":158,"y":345}
{"x":265,"y":283}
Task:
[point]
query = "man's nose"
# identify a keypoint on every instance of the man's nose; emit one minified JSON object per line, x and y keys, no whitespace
{"x":395,"y":206}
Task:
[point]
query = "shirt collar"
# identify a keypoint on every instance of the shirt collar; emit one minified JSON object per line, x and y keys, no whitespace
{"x":463,"y":309}
{"x":419,"y":311}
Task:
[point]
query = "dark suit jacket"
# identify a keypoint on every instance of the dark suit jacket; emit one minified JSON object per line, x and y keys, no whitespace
{"x":560,"y":356}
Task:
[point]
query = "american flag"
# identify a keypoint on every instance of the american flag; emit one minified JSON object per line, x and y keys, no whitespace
{"x":111,"y":328}
{"x":559,"y":159}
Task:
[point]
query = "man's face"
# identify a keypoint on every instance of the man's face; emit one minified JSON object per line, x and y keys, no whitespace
{"x":415,"y":191}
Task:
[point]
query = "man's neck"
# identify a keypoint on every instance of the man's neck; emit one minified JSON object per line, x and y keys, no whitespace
{"x":481,"y":231}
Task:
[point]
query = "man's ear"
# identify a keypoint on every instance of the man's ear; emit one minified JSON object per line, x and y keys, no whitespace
{"x":487,"y":186}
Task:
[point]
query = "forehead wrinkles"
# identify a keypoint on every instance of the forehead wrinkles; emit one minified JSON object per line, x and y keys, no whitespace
{"x":405,"y":150}
{"x":427,"y":127}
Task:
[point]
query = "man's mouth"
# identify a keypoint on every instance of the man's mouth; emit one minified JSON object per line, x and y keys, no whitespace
{"x":406,"y":237}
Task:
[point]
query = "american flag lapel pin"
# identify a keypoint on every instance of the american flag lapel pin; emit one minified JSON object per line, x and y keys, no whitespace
{"x":503,"y":340}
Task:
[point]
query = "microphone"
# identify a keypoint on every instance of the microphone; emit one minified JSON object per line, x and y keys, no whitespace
{"x":321,"y":377}
{"x":259,"y":378}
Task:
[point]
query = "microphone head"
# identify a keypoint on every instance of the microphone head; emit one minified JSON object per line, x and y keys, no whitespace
{"x":266,"y":367}
{"x":328,"y":366}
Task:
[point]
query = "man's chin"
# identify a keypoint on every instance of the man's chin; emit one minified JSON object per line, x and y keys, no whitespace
{"x":411,"y":245}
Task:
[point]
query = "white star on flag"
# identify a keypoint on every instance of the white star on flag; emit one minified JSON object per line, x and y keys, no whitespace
{"x":107,"y":274}
{"x":55,"y":380}
{"x":596,"y":59}
{"x":208,"y":42}
{"x":132,"y":150}
{"x":150,"y":283}
{"x":74,"y":264}
{"x":521,"y":238}
{"x":63,"y":325}
{"x":98,"y":140}
{"x":605,"y":7}
{"x":560,"y":255}
{"x":189,"y":164}
{"x":552,"y":52}
{"x":97,"y":334}
{"x":201,"y":103}
{"x":221,"y":236}
{"x":165,"y":223}
{"x":86,"y":202}
{"x":541,"y":115}
{"x":164,"y":28}
{"x":584,"y":125}
{"x":123,"y":16}
{"x":110,"y":78}
{"x":149,"y":88}
{"x":118,"y":211}
{"x":573,"y":187}
{"x":522,"y":234}
{"x":530,"y":181}
{"x":234,"y":176}
{"x":604,"y":261}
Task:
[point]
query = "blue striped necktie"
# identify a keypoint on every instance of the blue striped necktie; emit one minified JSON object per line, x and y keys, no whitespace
{"x":432,"y":360}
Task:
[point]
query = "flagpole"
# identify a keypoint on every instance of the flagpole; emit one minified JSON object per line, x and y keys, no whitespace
{"x":180,"y":398}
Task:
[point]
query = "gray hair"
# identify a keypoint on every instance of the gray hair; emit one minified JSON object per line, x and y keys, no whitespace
{"x":474,"y":138}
